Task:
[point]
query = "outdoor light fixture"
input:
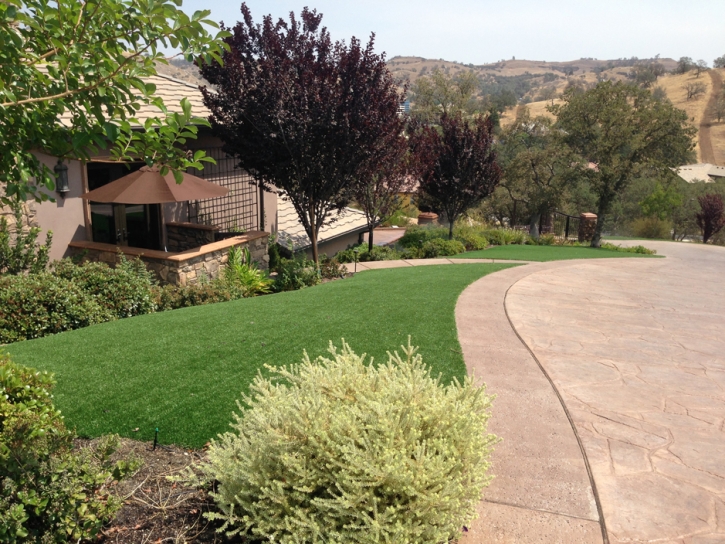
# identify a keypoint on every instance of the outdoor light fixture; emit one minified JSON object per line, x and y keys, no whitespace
{"x":61,"y":178}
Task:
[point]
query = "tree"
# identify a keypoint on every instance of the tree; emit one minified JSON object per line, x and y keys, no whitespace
{"x":719,"y":62}
{"x":72,"y":79}
{"x":720,"y":108}
{"x":645,"y":74}
{"x":694,"y":89}
{"x":711,"y":218}
{"x":440,"y":94}
{"x":547,"y":93}
{"x":458,"y":163}
{"x":684,"y":65}
{"x":537,"y":167}
{"x":304,"y":116}
{"x":700,"y":66}
{"x":662,"y":202}
{"x":625,"y":133}
{"x":377,"y":190}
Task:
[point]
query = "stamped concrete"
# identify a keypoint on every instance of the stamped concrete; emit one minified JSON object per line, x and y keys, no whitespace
{"x":636,"y":349}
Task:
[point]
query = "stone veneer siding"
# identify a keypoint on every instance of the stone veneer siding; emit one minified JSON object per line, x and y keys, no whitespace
{"x":180,"y":268}
{"x":186,"y":236}
{"x":587,"y":226}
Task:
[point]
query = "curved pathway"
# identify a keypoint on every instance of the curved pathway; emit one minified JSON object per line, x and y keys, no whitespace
{"x":610,"y":378}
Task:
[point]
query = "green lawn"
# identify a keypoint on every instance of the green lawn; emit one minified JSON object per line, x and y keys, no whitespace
{"x":544,"y":253}
{"x":182,"y":371}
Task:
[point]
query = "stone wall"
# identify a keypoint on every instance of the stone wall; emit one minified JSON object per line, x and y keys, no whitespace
{"x":180,"y":268}
{"x":186,"y":236}
{"x":29,"y":217}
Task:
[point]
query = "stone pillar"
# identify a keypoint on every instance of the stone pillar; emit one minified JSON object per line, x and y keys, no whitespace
{"x":587,"y":226}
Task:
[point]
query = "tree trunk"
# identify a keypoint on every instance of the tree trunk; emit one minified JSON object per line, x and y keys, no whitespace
{"x":534,"y":226}
{"x":450,"y":229}
{"x":370,"y":238}
{"x":601,"y":214}
{"x":313,"y":238}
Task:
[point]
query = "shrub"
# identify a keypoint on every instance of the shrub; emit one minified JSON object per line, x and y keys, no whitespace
{"x":40,"y":304}
{"x":19,"y":251}
{"x":379,"y":253}
{"x":338,"y":450}
{"x":172,"y":297}
{"x":544,"y":240}
{"x":633,"y":249}
{"x":504,"y":237}
{"x":441,"y":248}
{"x":416,"y":236}
{"x":241,"y":273}
{"x":330,"y":268}
{"x":470,"y":237}
{"x":293,"y":274}
{"x":125,"y":290}
{"x":651,"y":227}
{"x":50,"y":492}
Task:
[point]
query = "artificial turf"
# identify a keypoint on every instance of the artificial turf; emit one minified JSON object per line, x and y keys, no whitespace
{"x":545,"y":253}
{"x":182,"y":371}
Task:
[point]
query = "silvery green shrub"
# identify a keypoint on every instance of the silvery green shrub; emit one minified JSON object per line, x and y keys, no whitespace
{"x":338,"y":450}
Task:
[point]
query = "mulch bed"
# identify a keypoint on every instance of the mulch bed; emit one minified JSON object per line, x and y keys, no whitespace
{"x":156,"y":510}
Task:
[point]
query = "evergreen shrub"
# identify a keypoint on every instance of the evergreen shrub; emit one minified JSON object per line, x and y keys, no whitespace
{"x":342,"y":450}
{"x":652,"y":228}
{"x":125,"y":290}
{"x":416,"y":236}
{"x":50,"y":492}
{"x":441,"y":248}
{"x":293,"y":274}
{"x":40,"y":304}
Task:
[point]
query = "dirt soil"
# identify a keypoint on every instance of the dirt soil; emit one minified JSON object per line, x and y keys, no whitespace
{"x":156,"y":510}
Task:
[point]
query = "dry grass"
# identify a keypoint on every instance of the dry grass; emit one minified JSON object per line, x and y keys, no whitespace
{"x":717,"y":133}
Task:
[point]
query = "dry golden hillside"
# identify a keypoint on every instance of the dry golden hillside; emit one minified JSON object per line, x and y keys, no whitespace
{"x":699,"y":110}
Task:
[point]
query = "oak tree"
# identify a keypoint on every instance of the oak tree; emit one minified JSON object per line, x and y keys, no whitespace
{"x":625,"y":133}
{"x":537,"y":166}
{"x":73,"y":76}
{"x":458,"y":163}
{"x":303,"y":115}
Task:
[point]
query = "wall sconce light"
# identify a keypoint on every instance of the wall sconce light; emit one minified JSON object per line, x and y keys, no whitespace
{"x":61,"y":178}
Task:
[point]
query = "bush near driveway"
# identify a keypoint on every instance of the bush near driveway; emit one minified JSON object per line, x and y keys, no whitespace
{"x":341,"y":450}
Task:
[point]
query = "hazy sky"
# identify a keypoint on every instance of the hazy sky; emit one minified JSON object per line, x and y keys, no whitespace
{"x":482,"y":31}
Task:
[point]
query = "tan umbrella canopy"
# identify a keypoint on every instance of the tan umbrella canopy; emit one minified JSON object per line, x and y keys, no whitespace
{"x":148,"y":186}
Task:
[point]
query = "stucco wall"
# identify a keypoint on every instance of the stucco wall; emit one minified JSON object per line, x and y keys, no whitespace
{"x":64,"y":216}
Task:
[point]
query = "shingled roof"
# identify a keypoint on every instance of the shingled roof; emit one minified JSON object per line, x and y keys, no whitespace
{"x":290,"y":230}
{"x":172,"y":91}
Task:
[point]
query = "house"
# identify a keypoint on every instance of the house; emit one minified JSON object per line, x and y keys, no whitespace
{"x":181,"y":242}
{"x":702,"y":172}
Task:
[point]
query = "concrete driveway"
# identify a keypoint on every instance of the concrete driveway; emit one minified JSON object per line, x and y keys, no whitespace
{"x":610,"y":376}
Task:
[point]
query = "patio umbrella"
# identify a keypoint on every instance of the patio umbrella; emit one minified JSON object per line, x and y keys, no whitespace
{"x":148,"y":186}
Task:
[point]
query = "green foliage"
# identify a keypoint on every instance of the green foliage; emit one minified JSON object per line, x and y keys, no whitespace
{"x":640,"y":250}
{"x":50,"y":492}
{"x":543,"y":240}
{"x":627,"y":134}
{"x":661,"y":202}
{"x":652,"y":227}
{"x":471,"y":237}
{"x":40,"y":304}
{"x":242,"y":273}
{"x":379,"y":253}
{"x":504,"y":237}
{"x":416,"y":236}
{"x":124,"y":291}
{"x":337,"y":450}
{"x":293,"y":274}
{"x":441,"y":248}
{"x":19,"y":251}
{"x":171,"y":297}
{"x":88,"y":63}
{"x":331,"y":268}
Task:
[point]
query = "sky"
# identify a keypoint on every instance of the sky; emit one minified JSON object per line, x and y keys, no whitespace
{"x":484,"y":31}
